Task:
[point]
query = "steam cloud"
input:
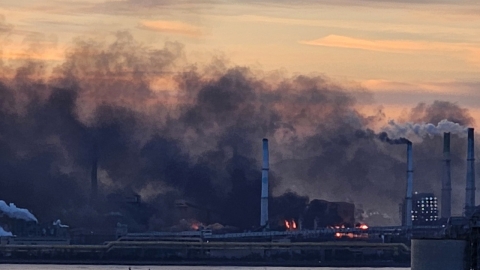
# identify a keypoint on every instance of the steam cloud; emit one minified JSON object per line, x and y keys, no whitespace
{"x":170,"y":131}
{"x":14,"y":212}
{"x":421,"y":130}
{"x":58,"y":223}
{"x":4,"y":233}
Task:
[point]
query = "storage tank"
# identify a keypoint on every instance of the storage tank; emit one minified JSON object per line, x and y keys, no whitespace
{"x":438,"y":254}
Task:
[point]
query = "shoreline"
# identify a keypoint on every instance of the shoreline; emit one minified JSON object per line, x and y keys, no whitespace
{"x":209,"y":263}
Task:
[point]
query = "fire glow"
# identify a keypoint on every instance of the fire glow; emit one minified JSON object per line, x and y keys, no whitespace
{"x":290,"y":225}
{"x":363,"y":226}
{"x":195,"y":226}
{"x":353,"y":234}
{"x":350,"y":235}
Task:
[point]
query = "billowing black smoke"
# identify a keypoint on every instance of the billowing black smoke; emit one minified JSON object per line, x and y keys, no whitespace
{"x":170,"y":132}
{"x":383,"y":136}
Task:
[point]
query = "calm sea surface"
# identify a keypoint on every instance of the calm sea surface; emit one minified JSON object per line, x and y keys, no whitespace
{"x":106,"y":267}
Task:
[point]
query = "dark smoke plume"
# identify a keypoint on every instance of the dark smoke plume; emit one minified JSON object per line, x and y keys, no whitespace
{"x":439,"y":110}
{"x":170,"y":131}
{"x":383,"y":136}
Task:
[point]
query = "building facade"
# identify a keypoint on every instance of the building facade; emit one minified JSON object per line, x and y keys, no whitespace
{"x":424,"y":209}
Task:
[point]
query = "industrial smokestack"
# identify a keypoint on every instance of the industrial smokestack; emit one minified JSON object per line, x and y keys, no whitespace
{"x":264,"y":197}
{"x":93,"y":176}
{"x":470,"y":188}
{"x":408,"y":196}
{"x":447,"y":179}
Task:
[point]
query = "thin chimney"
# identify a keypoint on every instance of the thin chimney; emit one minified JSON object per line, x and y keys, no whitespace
{"x":93,"y":176}
{"x":470,"y":187}
{"x":264,"y":196}
{"x":446,"y":179}
{"x":408,"y":195}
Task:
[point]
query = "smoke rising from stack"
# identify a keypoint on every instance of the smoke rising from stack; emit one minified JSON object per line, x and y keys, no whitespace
{"x":4,"y":233}
{"x":196,"y":140}
{"x":383,"y":136}
{"x":13,"y":211}
{"x":438,"y":111}
{"x":407,"y":214}
{"x":421,"y":130}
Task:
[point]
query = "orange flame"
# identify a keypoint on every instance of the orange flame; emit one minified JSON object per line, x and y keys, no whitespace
{"x":294,"y":225}
{"x":287,"y":224}
{"x":363,"y":226}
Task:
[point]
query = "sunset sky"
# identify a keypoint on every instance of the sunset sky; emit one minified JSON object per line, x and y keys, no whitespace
{"x":405,"y":51}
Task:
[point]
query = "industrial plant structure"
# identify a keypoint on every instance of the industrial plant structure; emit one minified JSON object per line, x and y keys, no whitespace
{"x":425,"y":209}
{"x":447,"y":179}
{"x":264,"y":198}
{"x":408,"y":195}
{"x":470,"y":187}
{"x":318,"y":233}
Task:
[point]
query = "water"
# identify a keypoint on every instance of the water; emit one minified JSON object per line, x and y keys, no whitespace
{"x":116,"y":267}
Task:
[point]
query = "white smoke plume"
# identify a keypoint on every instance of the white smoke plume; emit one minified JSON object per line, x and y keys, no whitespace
{"x":14,"y":212}
{"x":418,"y":131}
{"x":58,"y":223}
{"x":4,"y":233}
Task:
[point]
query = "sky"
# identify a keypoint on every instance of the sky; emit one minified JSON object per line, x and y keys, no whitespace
{"x":406,"y":51}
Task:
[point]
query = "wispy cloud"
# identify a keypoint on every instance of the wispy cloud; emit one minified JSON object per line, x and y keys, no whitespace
{"x":55,"y":56}
{"x":154,"y":3}
{"x":399,"y":46}
{"x":173,"y":27}
{"x":368,"y":26}
{"x":152,"y":7}
{"x":469,"y":51}
{"x":456,"y":88}
{"x":4,"y":27}
{"x":399,"y":3}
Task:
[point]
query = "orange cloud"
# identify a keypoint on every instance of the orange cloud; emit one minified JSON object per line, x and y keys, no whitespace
{"x":455,"y":88}
{"x":51,"y":55}
{"x":398,"y":46}
{"x":470,"y":52}
{"x":387,"y":45}
{"x":173,"y":27}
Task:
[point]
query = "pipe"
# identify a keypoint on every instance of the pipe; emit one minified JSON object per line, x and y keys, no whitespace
{"x":446,"y":179}
{"x":264,"y":196}
{"x":470,"y":187}
{"x":408,"y":196}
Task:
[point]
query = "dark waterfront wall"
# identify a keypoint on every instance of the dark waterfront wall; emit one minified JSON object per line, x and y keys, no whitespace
{"x":438,"y":254}
{"x":228,"y":253}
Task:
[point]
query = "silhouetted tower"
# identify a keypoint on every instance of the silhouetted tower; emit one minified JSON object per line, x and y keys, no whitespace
{"x":93,"y":176}
{"x":447,"y":179}
{"x":470,"y":187}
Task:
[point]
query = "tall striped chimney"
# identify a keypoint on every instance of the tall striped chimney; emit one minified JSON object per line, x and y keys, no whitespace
{"x":93,"y":175}
{"x":470,"y":187}
{"x":408,"y":195}
{"x":264,"y":197}
{"x":446,"y":179}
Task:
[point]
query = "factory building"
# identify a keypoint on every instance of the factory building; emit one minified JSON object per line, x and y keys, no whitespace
{"x":425,"y":209}
{"x":321,"y":214}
